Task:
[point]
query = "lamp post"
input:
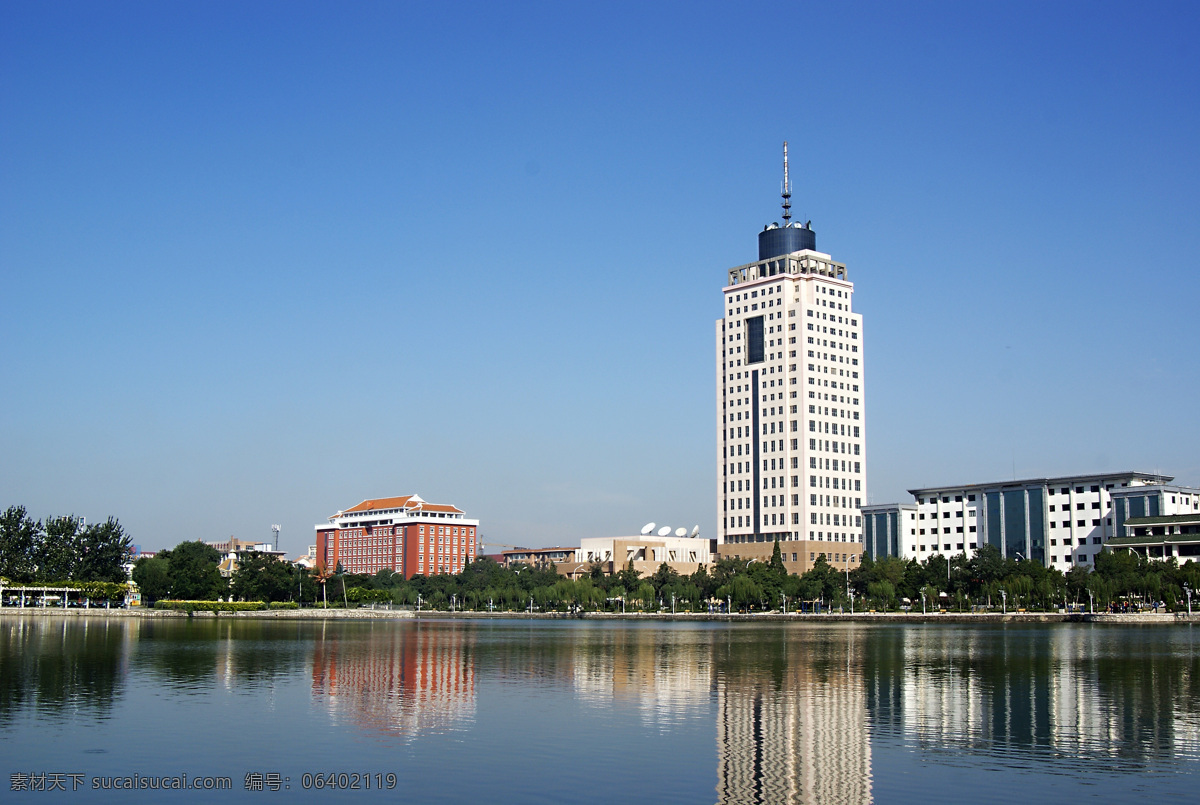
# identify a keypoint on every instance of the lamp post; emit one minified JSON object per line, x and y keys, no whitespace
{"x":453,"y":600}
{"x":1091,"y":603}
{"x":1188,"y":592}
{"x":1004,"y":602}
{"x":575,"y":572}
{"x":852,"y":602}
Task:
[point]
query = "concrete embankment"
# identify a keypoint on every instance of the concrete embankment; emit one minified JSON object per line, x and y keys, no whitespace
{"x":836,"y":617}
{"x":1146,"y":618}
{"x":257,"y":614}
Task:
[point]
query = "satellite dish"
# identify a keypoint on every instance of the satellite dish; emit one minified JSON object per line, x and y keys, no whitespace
{"x":695,"y":530}
{"x":681,"y":532}
{"x":647,"y":528}
{"x":662,"y":532}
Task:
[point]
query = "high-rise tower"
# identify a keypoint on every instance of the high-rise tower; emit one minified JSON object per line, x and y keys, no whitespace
{"x":791,"y":457}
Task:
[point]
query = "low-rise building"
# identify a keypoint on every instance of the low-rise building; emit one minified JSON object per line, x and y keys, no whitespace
{"x":233,"y":548}
{"x":1168,"y":536}
{"x":1060,"y":522}
{"x":403,"y":534}
{"x":538,"y":557}
{"x":309,"y":560}
{"x":884,"y":527}
{"x":685,"y":555}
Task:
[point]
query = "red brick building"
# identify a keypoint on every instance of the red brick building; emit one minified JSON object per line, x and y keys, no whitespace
{"x":403,"y":534}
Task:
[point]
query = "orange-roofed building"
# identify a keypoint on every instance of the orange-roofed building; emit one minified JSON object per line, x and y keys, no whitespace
{"x":403,"y":534}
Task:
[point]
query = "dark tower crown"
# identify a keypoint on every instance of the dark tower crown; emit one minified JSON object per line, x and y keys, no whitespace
{"x":776,"y":240}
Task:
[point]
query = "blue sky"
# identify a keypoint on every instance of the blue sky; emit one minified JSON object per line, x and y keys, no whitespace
{"x":263,"y":260}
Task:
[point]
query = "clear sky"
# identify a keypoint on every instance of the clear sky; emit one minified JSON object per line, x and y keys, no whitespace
{"x":263,"y":260}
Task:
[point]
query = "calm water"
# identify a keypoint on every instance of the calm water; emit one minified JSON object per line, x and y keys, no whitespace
{"x":531,"y":711}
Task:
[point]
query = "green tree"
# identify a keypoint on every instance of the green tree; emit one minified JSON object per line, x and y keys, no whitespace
{"x":629,"y":578}
{"x":104,"y":550}
{"x":152,"y":574}
{"x":663,"y":578}
{"x":745,"y":592}
{"x":883,"y":592}
{"x":705,"y":584}
{"x":776,"y":564}
{"x":194,"y":573}
{"x":986,"y":566}
{"x":60,"y":549}
{"x":263,"y":577}
{"x":20,"y":536}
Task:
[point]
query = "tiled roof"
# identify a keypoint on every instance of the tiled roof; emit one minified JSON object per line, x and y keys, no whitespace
{"x":409,"y":503}
{"x":380,"y":503}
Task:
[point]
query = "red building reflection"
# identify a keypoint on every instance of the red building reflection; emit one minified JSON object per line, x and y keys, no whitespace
{"x":401,"y":679}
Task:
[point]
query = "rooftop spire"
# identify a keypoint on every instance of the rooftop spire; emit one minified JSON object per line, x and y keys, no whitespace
{"x":787,"y":189}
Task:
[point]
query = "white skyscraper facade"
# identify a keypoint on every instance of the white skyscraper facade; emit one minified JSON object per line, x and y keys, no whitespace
{"x":791,"y":424}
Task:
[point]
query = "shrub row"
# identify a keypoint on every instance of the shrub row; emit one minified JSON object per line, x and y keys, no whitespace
{"x":211,"y":606}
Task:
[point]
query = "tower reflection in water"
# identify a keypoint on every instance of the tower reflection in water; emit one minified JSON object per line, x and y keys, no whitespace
{"x":401,"y":681}
{"x":791,"y":718}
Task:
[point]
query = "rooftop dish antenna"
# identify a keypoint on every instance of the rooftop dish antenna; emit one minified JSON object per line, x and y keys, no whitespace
{"x":647,"y":528}
{"x":681,"y":532}
{"x":662,"y":532}
{"x":695,"y":530}
{"x":787,"y":189}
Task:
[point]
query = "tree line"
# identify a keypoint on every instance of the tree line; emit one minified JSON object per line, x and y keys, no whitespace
{"x":984,"y":581}
{"x":65,"y":549}
{"x":988,"y":580}
{"x":61,"y":549}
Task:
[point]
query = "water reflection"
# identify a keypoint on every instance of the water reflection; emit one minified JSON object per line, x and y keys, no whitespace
{"x":791,"y":717}
{"x":1081,"y":692}
{"x":665,"y":675}
{"x":192,"y":656}
{"x":401,"y":680}
{"x":795,"y":713}
{"x":61,"y":668}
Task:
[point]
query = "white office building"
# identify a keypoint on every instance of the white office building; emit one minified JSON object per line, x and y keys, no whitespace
{"x":791,"y":461}
{"x":1060,"y":522}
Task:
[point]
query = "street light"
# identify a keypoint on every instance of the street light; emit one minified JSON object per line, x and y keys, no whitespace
{"x":1004,"y":602}
{"x":575,"y":572}
{"x":1188,"y":592}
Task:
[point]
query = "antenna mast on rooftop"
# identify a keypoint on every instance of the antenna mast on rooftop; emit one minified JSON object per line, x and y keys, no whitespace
{"x":275,"y":531}
{"x":787,"y":189}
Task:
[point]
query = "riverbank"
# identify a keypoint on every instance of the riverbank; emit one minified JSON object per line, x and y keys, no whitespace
{"x":1145,"y":618}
